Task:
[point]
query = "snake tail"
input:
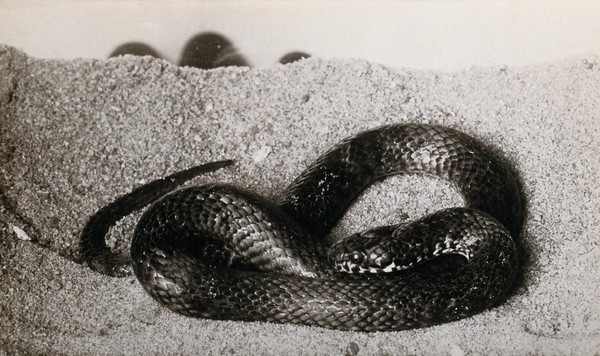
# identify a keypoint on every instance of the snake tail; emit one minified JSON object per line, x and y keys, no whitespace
{"x":93,"y":249}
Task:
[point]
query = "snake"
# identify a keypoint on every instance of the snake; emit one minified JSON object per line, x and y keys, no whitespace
{"x":218,"y":251}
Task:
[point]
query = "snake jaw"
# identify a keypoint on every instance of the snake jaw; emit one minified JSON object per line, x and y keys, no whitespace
{"x":390,"y":267}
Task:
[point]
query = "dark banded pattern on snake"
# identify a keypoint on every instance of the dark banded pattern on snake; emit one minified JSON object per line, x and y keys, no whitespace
{"x":220,"y":252}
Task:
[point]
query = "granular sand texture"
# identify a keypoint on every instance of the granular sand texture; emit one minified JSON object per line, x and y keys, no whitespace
{"x":76,"y":134}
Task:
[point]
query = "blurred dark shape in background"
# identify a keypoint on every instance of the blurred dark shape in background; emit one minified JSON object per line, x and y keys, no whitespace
{"x":209,"y":50}
{"x":206,"y":50}
{"x":134,"y":48}
{"x":293,"y":57}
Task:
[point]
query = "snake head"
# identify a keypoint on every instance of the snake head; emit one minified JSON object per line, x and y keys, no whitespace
{"x":365,"y":252}
{"x":350,"y":262}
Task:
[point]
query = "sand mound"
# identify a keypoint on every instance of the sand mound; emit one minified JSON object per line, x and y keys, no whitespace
{"x":76,"y":134}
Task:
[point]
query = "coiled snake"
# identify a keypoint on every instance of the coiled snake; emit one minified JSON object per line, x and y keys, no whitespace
{"x":220,"y":252}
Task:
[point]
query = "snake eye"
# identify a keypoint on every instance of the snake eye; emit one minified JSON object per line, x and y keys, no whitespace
{"x":357,"y":258}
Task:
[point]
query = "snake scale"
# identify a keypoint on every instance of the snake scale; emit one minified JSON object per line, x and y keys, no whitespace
{"x":220,"y":252}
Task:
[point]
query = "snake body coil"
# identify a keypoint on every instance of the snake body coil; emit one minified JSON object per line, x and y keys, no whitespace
{"x":219,"y":252}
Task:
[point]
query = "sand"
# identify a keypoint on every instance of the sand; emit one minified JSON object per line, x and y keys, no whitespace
{"x":75,"y":134}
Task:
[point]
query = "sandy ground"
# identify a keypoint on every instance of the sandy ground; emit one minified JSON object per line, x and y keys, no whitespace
{"x":76,"y":134}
